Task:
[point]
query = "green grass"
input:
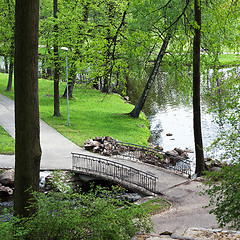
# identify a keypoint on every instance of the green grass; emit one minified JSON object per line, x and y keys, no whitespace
{"x":91,"y":114}
{"x":225,"y":60}
{"x":7,"y":143}
{"x":229,"y":59}
{"x":155,"y":205}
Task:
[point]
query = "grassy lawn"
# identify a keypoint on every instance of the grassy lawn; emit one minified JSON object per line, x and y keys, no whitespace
{"x":91,"y":114}
{"x":225,"y":60}
{"x":7,"y":143}
{"x":229,"y":59}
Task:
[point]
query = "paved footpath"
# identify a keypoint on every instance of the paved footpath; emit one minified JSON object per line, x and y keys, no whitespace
{"x":186,"y":210}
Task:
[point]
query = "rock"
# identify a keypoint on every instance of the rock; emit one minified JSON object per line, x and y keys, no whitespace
{"x":172,"y":152}
{"x":107,"y":145}
{"x":59,"y":181}
{"x":184,"y":155}
{"x":90,"y":144}
{"x":170,"y":157}
{"x":5,"y":191}
{"x":160,"y":148}
{"x":188,"y":150}
{"x":179,"y":150}
{"x":126,"y":98}
{"x":96,"y":149}
{"x":7,"y":178}
{"x":99,"y":139}
{"x":169,"y":134}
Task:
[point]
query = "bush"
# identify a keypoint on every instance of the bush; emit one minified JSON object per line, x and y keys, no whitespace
{"x":225,"y":195}
{"x":224,"y":186}
{"x":99,"y":214}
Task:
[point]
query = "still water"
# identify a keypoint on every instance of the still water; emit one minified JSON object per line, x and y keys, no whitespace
{"x":169,"y":110}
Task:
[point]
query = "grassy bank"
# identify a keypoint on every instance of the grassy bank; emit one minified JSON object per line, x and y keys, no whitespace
{"x":229,"y":60}
{"x":225,"y":60}
{"x":6,"y":142}
{"x":91,"y":114}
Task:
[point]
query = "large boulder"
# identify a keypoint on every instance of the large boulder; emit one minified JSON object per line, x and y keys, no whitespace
{"x":7,"y":178}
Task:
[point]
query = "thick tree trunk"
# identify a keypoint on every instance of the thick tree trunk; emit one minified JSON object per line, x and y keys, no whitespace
{"x":137,"y":109}
{"x":196,"y":92}
{"x":27,"y":146}
{"x":56,"y":64}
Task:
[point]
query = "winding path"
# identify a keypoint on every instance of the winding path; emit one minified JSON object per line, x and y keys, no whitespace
{"x":56,"y":154}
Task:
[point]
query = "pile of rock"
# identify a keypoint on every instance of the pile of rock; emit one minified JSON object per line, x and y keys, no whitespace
{"x":108,"y":146}
{"x":6,"y":182}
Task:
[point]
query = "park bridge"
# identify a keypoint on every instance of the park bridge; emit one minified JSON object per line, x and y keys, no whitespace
{"x":123,"y":174}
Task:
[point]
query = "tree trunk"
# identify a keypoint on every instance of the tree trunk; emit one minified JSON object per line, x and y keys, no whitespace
{"x":10,"y":75}
{"x":136,"y":111}
{"x":27,"y":146}
{"x":71,"y":82}
{"x":6,"y":64}
{"x":56,"y":64}
{"x":196,"y":91}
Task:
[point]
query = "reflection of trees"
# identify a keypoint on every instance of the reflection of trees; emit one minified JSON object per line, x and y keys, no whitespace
{"x":169,"y":88}
{"x":216,"y":92}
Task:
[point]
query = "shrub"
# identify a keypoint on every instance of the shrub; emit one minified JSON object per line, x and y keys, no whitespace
{"x":99,"y":214}
{"x":225,"y":195}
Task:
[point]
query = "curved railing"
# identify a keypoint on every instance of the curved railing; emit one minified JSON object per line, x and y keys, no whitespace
{"x":104,"y":167}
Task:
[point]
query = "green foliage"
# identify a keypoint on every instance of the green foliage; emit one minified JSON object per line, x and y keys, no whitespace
{"x":225,"y":103}
{"x":98,"y":214}
{"x":7,"y":143}
{"x":6,"y":27}
{"x":225,"y":195}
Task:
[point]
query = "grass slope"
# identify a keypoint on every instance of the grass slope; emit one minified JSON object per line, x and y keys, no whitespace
{"x":7,"y":143}
{"x":92,"y":113}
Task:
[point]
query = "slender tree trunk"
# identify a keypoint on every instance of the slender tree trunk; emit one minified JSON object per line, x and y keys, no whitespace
{"x":56,"y":64}
{"x":27,"y":146}
{"x":6,"y":64}
{"x":139,"y":106}
{"x":10,"y":75}
{"x":11,"y":65}
{"x":71,"y":82}
{"x":196,"y":91}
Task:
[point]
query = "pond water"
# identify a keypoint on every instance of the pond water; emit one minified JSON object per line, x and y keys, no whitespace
{"x":169,"y":110}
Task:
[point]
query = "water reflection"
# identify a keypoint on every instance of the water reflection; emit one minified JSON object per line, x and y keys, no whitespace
{"x":169,"y":110}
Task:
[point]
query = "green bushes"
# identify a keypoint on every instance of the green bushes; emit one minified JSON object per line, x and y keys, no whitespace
{"x":99,"y":214}
{"x":225,"y":195}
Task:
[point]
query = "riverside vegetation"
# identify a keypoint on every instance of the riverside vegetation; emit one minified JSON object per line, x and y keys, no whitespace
{"x":64,"y":213}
